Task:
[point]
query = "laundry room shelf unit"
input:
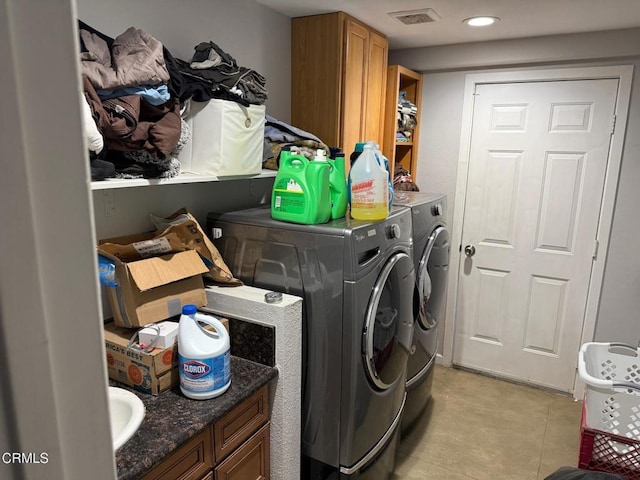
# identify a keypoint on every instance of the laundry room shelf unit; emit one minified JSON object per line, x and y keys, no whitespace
{"x":400,"y":79}
{"x":182,"y":178}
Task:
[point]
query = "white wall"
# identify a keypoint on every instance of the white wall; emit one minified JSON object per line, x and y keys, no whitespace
{"x":50,"y":330}
{"x":444,"y":71}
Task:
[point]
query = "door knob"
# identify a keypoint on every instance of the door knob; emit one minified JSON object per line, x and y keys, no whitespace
{"x":469,"y":250}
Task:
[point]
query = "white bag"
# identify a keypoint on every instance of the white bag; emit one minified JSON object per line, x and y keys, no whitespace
{"x":227,"y":139}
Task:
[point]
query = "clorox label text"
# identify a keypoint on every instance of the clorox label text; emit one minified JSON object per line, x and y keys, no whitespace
{"x":195,"y":369}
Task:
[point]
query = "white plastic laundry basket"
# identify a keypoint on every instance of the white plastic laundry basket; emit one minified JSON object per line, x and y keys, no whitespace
{"x":611,"y":372}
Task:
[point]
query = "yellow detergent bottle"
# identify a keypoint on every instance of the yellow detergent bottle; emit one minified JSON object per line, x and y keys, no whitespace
{"x":301,"y":190}
{"x":369,"y":186}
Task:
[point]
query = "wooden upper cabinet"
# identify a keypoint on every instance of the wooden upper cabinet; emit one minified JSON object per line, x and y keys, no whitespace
{"x":378,"y":53}
{"x":338,"y":79}
{"x":354,"y":91}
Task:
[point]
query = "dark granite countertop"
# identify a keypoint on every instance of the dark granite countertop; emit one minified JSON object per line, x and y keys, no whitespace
{"x":171,"y":418}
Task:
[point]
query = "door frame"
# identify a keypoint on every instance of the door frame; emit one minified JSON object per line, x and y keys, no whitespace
{"x":624,"y":75}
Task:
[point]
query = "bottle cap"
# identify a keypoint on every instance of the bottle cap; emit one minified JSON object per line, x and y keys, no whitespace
{"x":189,"y":309}
{"x":321,"y":155}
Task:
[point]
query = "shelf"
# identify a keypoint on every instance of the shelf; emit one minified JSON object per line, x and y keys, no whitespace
{"x":111,"y":183}
{"x":399,"y":79}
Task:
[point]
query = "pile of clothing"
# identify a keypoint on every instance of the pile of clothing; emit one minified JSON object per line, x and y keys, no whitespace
{"x":133,"y":93}
{"x":406,"y":117}
{"x":402,"y":179}
{"x":213,"y":73}
{"x":278,"y":135}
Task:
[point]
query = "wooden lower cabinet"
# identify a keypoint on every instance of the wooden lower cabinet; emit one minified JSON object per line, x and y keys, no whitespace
{"x":236,"y":447}
{"x":239,"y":424}
{"x":250,"y":461}
{"x":190,"y":461}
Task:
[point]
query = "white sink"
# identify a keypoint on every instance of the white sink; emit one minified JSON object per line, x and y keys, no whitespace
{"x":126,"y":412}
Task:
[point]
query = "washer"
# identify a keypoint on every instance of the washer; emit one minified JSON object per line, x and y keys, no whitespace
{"x":356,"y":279}
{"x":431,"y":258}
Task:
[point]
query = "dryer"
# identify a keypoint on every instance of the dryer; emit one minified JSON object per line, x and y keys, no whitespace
{"x":431,"y":259}
{"x":356,"y":279}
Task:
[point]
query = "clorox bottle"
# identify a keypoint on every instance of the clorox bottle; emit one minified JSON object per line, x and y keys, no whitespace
{"x":301,"y":191}
{"x":369,"y":185}
{"x":204,"y":357}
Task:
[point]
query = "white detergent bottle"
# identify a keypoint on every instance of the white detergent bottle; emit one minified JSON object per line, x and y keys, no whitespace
{"x":204,"y":357}
{"x":369,"y":186}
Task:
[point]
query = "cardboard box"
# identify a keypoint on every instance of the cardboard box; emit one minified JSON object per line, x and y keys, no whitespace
{"x":152,"y":372}
{"x":152,"y":288}
{"x":227,"y":139}
{"x":149,"y":372}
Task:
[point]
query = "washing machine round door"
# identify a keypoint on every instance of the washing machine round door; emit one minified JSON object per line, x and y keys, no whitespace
{"x":388,"y":330}
{"x":431,"y":279}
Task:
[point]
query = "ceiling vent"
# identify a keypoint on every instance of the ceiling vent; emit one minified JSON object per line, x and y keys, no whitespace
{"x":414,"y":17}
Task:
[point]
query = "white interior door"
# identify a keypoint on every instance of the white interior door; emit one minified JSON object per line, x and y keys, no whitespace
{"x":537,"y":164}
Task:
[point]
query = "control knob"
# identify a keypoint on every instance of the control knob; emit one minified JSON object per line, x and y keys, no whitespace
{"x":393,"y":231}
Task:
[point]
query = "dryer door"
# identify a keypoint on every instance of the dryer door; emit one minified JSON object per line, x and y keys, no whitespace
{"x":432,"y":279}
{"x":388,"y":326}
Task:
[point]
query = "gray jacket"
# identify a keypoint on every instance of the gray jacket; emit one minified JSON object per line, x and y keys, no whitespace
{"x":135,"y":58}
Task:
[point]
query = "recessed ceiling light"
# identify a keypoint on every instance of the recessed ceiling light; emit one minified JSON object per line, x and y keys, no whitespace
{"x":480,"y":21}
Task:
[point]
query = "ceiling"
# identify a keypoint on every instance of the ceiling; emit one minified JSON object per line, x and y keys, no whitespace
{"x":519,"y":18}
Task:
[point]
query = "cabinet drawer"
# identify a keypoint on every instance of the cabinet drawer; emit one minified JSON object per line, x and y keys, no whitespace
{"x":189,"y":462}
{"x":250,"y":461}
{"x":240,"y":423}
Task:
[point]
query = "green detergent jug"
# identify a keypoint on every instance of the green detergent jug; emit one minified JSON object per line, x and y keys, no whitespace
{"x":338,"y":187}
{"x":301,"y":191}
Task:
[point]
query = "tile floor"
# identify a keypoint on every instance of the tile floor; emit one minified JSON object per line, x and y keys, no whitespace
{"x":480,"y":428}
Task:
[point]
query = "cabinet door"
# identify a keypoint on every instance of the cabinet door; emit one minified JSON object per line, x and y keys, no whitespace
{"x":355,"y":85}
{"x":189,"y":462}
{"x":240,"y":423}
{"x":376,"y":87}
{"x":250,"y":461}
{"x":316,"y":75}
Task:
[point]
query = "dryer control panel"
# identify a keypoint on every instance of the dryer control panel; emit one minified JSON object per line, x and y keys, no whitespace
{"x":437,"y":210}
